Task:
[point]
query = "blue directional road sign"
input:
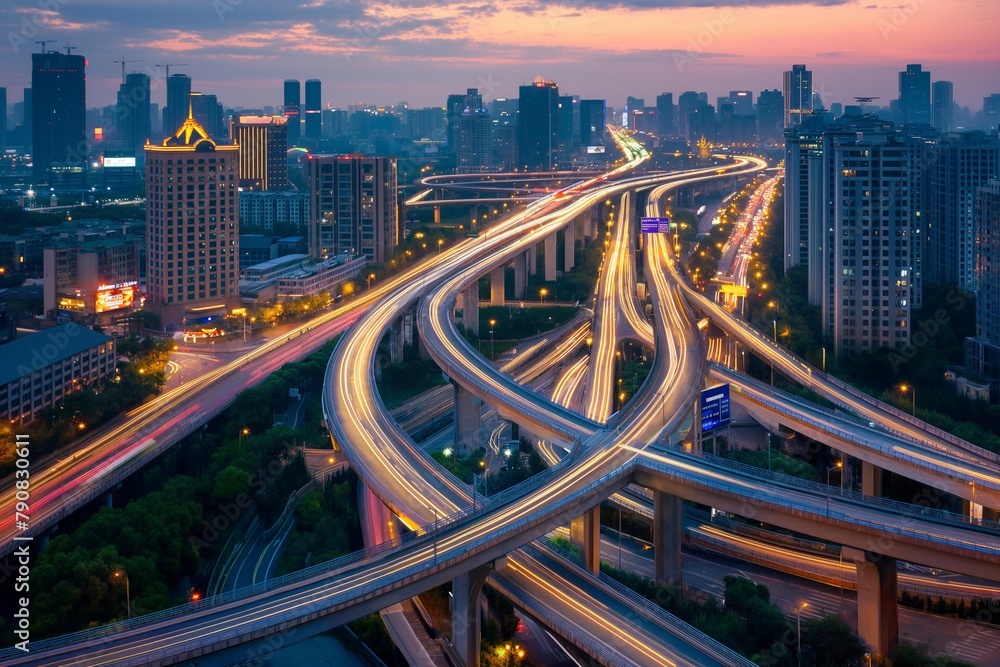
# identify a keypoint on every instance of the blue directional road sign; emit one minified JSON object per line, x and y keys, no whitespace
{"x":654,"y":225}
{"x":714,"y":408}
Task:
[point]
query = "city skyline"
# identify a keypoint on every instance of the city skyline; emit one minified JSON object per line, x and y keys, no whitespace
{"x":419,"y":52}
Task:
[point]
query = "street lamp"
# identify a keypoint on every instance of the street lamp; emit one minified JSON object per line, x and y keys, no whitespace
{"x":128,"y":592}
{"x":243,"y":432}
{"x":824,"y":358}
{"x":839,"y":466}
{"x":542,"y":293}
{"x":371,"y":277}
{"x":798,"y":631}
{"x":440,"y":243}
{"x":493,"y":323}
{"x":913,"y":397}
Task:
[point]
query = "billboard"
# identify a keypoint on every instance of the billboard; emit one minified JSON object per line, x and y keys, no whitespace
{"x":655,"y":225}
{"x":714,"y":405}
{"x":595,"y":149}
{"x":114,"y":297}
{"x":119,"y":162}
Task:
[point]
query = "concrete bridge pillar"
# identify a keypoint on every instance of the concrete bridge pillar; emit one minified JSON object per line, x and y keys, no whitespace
{"x":470,"y":308}
{"x":585,"y":532}
{"x":108,"y":500}
{"x":468,"y":411}
{"x":396,"y":341}
{"x":520,"y":276}
{"x":871,"y":479}
{"x":531,"y":260}
{"x":497,"y":297}
{"x":569,"y":247}
{"x":549,"y":248}
{"x":667,"y":535}
{"x":878,"y":615}
{"x":466,"y":617}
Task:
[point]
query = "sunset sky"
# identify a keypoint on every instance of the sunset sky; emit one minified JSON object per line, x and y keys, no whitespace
{"x":422,"y":50}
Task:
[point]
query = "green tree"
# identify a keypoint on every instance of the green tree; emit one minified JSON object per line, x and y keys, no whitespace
{"x":830,"y":642}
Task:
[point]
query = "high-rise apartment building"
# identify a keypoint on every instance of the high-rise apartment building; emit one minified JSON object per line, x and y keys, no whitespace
{"x":956,"y":166}
{"x":192,"y":227}
{"x":982,"y":353}
{"x":770,"y":115}
{"x":569,"y":109}
{"x":293,"y":102}
{"x":592,"y":122}
{"x":872,"y":244}
{"x":474,"y":153}
{"x":263,"y":142}
{"x":742,"y":101}
{"x":666,"y":115}
{"x":804,"y":202}
{"x":178,"y":102}
{"x":353,"y":206}
{"x":133,"y":113}
{"x":58,"y":86}
{"x":798,"y":94}
{"x":538,"y":125}
{"x":914,"y":96}
{"x":314,"y":109}
{"x":943,"y":106}
{"x":3,"y":119}
{"x":457,"y":106}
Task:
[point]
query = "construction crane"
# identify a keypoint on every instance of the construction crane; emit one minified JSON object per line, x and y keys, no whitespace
{"x":123,"y":61}
{"x":69,"y":48}
{"x":43,"y":43}
{"x":167,"y":66}
{"x":862,"y":100}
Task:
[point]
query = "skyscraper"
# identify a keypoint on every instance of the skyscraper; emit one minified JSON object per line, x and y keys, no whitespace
{"x":208,"y":112}
{"x":178,"y":94}
{"x":742,"y":101}
{"x":798,"y":94}
{"x":474,"y":134}
{"x":538,"y":125}
{"x":872,"y":243}
{"x":666,"y":115}
{"x":956,"y":167}
{"x":293,"y":100}
{"x":58,"y":85}
{"x":695,"y":118}
{"x":353,"y":206}
{"x":803,"y":201}
{"x":569,"y":109}
{"x":770,"y":115}
{"x":943,"y":109}
{"x":455,"y":109}
{"x":914,"y":96}
{"x":133,"y":113}
{"x":263,"y":142}
{"x":3,"y":119}
{"x":27,"y":120}
{"x":314,"y":109}
{"x":592,"y":122}
{"x":192,"y":227}
{"x":982,"y":353}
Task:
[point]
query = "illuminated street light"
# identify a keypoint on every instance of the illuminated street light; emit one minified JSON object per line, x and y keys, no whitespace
{"x":128,"y":591}
{"x":913,"y":397}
